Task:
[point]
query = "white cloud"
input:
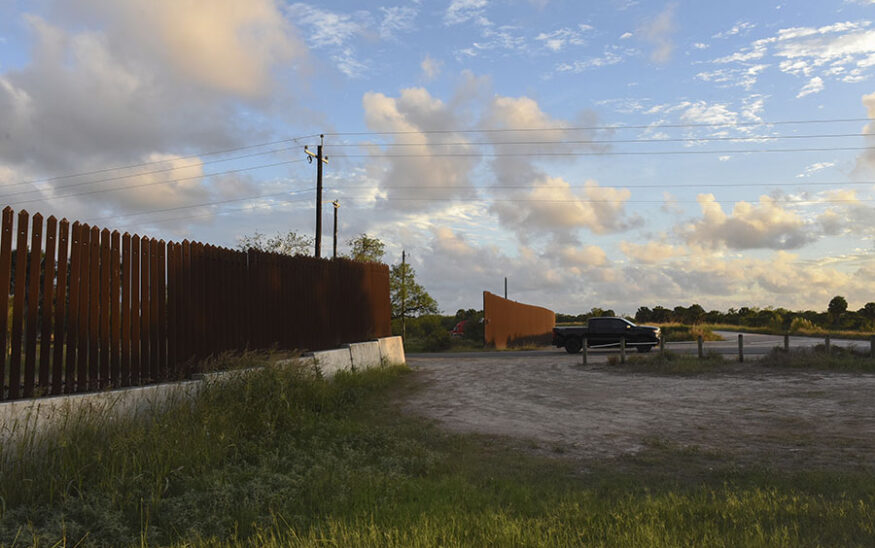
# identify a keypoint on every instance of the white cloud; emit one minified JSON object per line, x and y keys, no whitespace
{"x":233,"y":47}
{"x":582,"y":256}
{"x":460,"y":11}
{"x":336,"y":31}
{"x":701,"y":112}
{"x":814,"y":168}
{"x":846,"y":213}
{"x":843,"y":51}
{"x":626,"y":36}
{"x":815,"y":85}
{"x":418,"y":173}
{"x":431,"y":68}
{"x":670,"y":204}
{"x":327,"y":28}
{"x":347,"y":63}
{"x":749,"y":226}
{"x":865,"y":164}
{"x":651,"y":252}
{"x":742,"y":27}
{"x":557,"y":40}
{"x":553,"y":207}
{"x":121,"y":90}
{"x":659,"y":32}
{"x":612,"y":55}
{"x":700,"y":45}
{"x":397,"y":19}
{"x":745,"y":77}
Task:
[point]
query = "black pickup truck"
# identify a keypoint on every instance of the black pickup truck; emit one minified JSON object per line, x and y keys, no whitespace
{"x":606,"y":332}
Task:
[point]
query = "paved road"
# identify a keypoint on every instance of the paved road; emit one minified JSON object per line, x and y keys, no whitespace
{"x":755,"y":345}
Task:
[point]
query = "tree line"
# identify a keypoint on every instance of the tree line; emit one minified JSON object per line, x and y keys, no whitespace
{"x":836,"y":316}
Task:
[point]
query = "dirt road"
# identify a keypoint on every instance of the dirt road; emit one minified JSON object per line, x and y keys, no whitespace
{"x":600,"y":411}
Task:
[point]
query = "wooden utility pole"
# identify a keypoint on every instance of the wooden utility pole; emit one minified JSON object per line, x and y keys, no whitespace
{"x":319,"y":161}
{"x":403,"y":292}
{"x":336,"y":207}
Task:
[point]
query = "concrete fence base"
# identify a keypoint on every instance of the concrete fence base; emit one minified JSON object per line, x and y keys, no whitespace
{"x":33,"y":417}
{"x":359,"y":356}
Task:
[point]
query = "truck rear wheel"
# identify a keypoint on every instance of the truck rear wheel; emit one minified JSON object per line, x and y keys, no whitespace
{"x":572,"y":345}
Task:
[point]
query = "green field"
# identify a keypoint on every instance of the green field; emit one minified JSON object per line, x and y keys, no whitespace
{"x":279,"y":458}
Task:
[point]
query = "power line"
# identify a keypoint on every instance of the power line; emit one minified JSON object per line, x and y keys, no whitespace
{"x":155,"y":183}
{"x":607,"y":153}
{"x":611,"y":141}
{"x":143,"y":164}
{"x":143,"y":173}
{"x":532,"y":200}
{"x":225,"y":212}
{"x":203,"y":204}
{"x":655,"y":185}
{"x":604,"y":127}
{"x":524,"y":187}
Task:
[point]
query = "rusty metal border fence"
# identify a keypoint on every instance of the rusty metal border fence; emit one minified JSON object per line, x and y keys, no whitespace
{"x":93,"y":309}
{"x":511,"y":323}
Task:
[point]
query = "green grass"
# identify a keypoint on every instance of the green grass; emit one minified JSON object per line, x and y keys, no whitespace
{"x":279,"y":458}
{"x":839,"y":359}
{"x":670,"y":363}
{"x":815,"y":332}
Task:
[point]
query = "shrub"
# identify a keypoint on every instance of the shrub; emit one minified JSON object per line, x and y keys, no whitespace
{"x":437,"y":341}
{"x":800,"y":324}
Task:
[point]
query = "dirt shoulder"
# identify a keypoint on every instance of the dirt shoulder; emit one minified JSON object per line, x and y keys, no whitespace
{"x":600,"y":411}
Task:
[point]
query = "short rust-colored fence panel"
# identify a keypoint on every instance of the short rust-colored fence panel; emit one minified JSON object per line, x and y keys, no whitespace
{"x":32,"y":304}
{"x":125,"y":313}
{"x":104,"y":309}
{"x":72,"y":335}
{"x":145,"y":312}
{"x":92,"y":309}
{"x":18,"y":306}
{"x":48,"y":274}
{"x":115,"y":330}
{"x":510,"y":323}
{"x":58,"y":327}
{"x":135,"y":310}
{"x":5,"y":280}
{"x":84,"y":308}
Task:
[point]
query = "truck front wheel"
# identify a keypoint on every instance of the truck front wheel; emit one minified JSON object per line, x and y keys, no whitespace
{"x":572,"y":345}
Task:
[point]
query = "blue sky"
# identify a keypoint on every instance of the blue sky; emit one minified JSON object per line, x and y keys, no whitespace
{"x":613,"y":154}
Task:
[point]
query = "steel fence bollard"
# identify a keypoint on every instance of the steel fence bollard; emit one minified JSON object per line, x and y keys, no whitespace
{"x":701,"y":349}
{"x":622,"y":349}
{"x":740,"y":347}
